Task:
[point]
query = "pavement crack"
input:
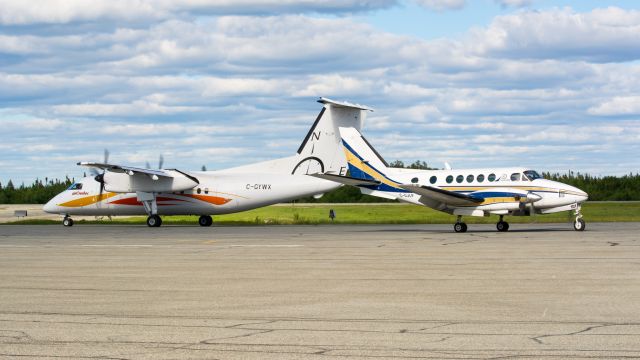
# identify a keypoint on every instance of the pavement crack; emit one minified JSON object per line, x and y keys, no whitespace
{"x":538,"y":339}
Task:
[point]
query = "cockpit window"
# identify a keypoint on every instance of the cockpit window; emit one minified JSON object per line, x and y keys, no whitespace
{"x":532,"y":175}
{"x":75,"y":186}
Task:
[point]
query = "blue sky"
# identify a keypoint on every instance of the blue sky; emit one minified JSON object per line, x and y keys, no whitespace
{"x":552,"y":85}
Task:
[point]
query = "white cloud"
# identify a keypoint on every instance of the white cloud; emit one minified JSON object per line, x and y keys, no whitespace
{"x":17,"y":12}
{"x":600,"y":35}
{"x":619,"y":105}
{"x":441,"y":5}
{"x":514,"y":3}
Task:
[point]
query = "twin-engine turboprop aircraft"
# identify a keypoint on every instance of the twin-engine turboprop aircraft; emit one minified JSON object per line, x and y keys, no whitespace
{"x":471,"y":192}
{"x":127,"y":190}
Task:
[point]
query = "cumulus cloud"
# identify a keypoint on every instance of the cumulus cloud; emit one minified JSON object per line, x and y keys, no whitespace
{"x":602,"y":35}
{"x":441,"y":5}
{"x":17,"y":12}
{"x":514,"y":3}
{"x":619,"y":105}
{"x":539,"y":82}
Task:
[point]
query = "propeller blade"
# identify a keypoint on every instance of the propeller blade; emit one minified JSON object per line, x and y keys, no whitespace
{"x":148,"y":165}
{"x":160,"y":162}
{"x":94,"y":172}
{"x":106,"y":156}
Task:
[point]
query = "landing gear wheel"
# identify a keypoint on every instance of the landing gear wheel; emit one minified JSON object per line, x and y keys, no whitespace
{"x":154,"y":221}
{"x":502,"y":226}
{"x":67,"y":221}
{"x":579,"y":225}
{"x":205,"y":220}
{"x":460,"y":227}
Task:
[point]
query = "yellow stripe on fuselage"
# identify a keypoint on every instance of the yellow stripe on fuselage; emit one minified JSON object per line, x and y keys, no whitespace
{"x":87,"y":200}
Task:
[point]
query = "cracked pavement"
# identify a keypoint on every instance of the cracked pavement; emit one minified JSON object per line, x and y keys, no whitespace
{"x":338,"y":291}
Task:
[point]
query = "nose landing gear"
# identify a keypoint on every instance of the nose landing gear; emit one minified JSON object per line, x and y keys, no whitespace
{"x":579,"y":224}
{"x":67,"y":221}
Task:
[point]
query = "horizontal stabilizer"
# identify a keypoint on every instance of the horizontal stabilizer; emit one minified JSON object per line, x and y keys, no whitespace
{"x":347,"y":180}
{"x":443,"y":196}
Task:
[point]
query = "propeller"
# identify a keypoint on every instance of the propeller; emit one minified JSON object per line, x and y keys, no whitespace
{"x":160,"y":162}
{"x":100,"y":176}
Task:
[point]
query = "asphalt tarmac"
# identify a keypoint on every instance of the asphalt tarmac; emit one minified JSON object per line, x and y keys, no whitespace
{"x":292,"y":292}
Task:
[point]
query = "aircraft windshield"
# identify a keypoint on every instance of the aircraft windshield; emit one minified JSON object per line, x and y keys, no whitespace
{"x":532,"y":175}
{"x":75,"y":186}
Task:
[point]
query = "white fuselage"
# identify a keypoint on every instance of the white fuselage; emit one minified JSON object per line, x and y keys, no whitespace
{"x":218,"y":193}
{"x":507,"y":193}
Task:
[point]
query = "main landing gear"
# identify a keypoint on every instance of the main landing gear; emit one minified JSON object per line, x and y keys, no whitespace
{"x":154,"y":221}
{"x":579,"y":224}
{"x":205,"y":220}
{"x":459,"y":226}
{"x":67,"y":221}
{"x":502,"y":225}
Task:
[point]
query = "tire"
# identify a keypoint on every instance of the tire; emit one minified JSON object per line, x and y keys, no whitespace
{"x":460,"y":227}
{"x":154,"y":221}
{"x":67,"y":222}
{"x":502,"y":226}
{"x":579,"y":225}
{"x":205,"y":220}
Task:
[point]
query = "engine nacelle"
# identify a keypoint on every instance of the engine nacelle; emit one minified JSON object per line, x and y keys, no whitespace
{"x":122,"y":182}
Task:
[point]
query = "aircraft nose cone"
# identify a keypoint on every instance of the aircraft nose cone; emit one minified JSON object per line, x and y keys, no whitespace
{"x":50,"y":207}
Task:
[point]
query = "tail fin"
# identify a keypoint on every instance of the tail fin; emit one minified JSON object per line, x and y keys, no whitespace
{"x":366,"y":163}
{"x":320,"y":151}
{"x":363,"y":160}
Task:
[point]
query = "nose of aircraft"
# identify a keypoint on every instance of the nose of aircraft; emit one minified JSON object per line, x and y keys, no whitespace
{"x":50,"y":207}
{"x":579,"y":194}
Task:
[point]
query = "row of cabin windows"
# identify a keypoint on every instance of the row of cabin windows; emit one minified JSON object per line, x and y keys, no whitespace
{"x":198,"y":190}
{"x":480,"y":178}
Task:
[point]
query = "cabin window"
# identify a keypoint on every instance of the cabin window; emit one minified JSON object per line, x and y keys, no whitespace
{"x":515,"y":177}
{"x":480,"y":178}
{"x":492,"y":177}
{"x":76,"y":186}
{"x":459,"y":178}
{"x":449,"y":179}
{"x":470,"y":178}
{"x":206,"y":190}
{"x":414,"y":180}
{"x":433,"y":179}
{"x":199,"y":191}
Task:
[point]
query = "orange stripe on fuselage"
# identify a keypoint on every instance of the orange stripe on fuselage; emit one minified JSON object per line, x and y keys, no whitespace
{"x":215,"y":200}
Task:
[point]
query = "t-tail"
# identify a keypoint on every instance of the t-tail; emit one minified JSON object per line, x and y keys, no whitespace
{"x":367,"y":168}
{"x":320,"y":150}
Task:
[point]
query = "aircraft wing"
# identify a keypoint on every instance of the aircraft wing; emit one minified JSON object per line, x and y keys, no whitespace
{"x":127,"y":169}
{"x":347,"y":180}
{"x":443,"y":196}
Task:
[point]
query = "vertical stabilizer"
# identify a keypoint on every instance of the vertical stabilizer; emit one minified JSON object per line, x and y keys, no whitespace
{"x":363,"y":160}
{"x":320,"y":151}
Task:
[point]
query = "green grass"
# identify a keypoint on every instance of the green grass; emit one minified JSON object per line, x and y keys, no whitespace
{"x":375,"y":214}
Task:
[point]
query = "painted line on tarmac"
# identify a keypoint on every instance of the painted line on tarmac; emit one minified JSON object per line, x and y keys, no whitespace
{"x":266,"y":245}
{"x":116,"y":245}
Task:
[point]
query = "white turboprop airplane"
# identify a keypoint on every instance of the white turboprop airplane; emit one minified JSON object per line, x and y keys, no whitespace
{"x":127,"y":190}
{"x":471,"y":192}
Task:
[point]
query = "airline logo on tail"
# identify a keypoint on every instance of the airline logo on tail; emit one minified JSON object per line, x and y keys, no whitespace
{"x":365,"y":163}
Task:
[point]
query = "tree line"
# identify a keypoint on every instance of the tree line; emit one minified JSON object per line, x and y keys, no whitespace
{"x":599,"y":188}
